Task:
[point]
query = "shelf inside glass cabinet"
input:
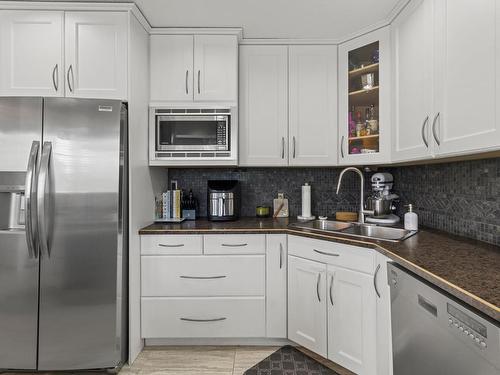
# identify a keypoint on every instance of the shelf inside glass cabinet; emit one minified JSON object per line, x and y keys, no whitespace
{"x":363,"y":120}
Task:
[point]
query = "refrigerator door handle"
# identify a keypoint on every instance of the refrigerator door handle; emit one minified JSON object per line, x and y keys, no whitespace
{"x":43,"y":176}
{"x":30,"y":198}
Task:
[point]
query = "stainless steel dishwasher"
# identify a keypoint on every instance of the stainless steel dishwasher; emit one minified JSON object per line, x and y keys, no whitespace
{"x":433,"y":334}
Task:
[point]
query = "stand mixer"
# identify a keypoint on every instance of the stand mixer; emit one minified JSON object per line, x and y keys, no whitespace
{"x":382,"y":200}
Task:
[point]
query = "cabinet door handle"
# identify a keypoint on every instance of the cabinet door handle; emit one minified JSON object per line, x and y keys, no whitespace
{"x":70,"y":82}
{"x":167,"y":245}
{"x":375,"y":281}
{"x":317,"y":286}
{"x":294,"y":146}
{"x":203,"y":277}
{"x":282,"y":147}
{"x":424,"y":124}
{"x":325,"y":253}
{"x":234,"y":244}
{"x":203,"y":320}
{"x":187,"y":77}
{"x":199,"y":72}
{"x":55,"y":77}
{"x":331,"y":287}
{"x":434,"y":129}
{"x":281,"y":255}
{"x":342,"y":147}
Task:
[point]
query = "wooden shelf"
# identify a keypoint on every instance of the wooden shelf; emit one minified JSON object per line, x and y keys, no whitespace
{"x":364,"y":97}
{"x":364,"y":137}
{"x":365,"y":69}
{"x":363,"y":91}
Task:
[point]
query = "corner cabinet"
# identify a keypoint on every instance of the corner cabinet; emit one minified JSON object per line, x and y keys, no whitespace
{"x":288,"y":105}
{"x":446,"y":98}
{"x":194,"y":68}
{"x":364,"y":99}
{"x":333,"y":303}
{"x":95,"y":60}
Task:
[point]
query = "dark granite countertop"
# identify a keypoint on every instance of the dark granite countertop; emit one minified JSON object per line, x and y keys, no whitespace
{"x":465,"y":268}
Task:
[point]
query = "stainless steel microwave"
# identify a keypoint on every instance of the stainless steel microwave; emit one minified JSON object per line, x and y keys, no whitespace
{"x":193,"y":133}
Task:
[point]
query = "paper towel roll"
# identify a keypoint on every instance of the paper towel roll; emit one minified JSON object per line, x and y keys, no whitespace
{"x":306,"y":200}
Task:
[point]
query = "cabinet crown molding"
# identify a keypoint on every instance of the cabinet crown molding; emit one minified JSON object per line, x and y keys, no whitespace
{"x":238,"y":31}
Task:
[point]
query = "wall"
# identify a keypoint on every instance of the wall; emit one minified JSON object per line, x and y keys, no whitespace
{"x":461,"y":198}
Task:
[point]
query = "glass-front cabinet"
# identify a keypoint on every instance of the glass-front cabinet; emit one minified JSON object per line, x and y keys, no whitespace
{"x":364,"y":99}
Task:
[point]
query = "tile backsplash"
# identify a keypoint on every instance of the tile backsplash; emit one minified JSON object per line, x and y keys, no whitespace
{"x":461,"y":197}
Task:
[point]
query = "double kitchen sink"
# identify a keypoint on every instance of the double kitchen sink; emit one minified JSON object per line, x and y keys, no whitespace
{"x":370,"y":231}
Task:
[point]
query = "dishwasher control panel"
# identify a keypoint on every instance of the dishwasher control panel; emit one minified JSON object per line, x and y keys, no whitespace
{"x":467,"y":325}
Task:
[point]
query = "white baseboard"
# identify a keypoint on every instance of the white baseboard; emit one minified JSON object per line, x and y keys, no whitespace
{"x":218,"y":341}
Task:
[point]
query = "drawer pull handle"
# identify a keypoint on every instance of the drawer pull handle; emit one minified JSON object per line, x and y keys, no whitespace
{"x":203,"y":320}
{"x":166,"y":245}
{"x":234,"y":244}
{"x":203,"y":277}
{"x":325,"y":253}
{"x":317,"y":287}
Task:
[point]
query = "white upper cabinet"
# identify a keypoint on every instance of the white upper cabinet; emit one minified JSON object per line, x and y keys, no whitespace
{"x":412,"y":60}
{"x":31,"y":53}
{"x":200,"y":68}
{"x":96,"y":54}
{"x":307,"y":304}
{"x":263,"y":99}
{"x":216,"y":68}
{"x":352,"y":320}
{"x":467,"y":71}
{"x":447,"y":79}
{"x":171,"y":68}
{"x":364,"y":99}
{"x":94,"y":64}
{"x":313,"y":105}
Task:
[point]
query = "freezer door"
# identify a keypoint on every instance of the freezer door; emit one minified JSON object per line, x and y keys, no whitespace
{"x":20,"y":126}
{"x":78,"y":208}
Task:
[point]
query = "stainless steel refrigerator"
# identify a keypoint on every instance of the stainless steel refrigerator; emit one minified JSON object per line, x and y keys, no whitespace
{"x":63,"y":233}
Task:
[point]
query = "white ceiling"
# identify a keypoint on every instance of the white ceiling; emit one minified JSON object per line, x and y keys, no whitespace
{"x":270,"y":18}
{"x":304,"y":19}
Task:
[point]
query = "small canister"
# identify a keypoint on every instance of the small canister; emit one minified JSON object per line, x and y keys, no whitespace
{"x":262,"y":211}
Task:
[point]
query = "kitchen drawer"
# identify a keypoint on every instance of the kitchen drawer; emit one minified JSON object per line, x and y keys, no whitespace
{"x":348,"y":256}
{"x":235,"y":244}
{"x":166,"y":244}
{"x":203,"y":317}
{"x":204,"y":276}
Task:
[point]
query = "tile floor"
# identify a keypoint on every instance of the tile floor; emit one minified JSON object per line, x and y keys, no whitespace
{"x":206,"y":360}
{"x":199,"y":360}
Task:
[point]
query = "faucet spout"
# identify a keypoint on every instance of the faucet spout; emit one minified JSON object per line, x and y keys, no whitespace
{"x":362,"y":211}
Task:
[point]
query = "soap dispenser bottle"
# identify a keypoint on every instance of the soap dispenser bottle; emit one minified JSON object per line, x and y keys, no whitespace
{"x":411,"y":218}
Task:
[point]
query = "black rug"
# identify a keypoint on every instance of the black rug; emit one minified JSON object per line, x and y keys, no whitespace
{"x":289,"y":361}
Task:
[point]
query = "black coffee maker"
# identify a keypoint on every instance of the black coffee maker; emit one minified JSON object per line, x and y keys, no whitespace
{"x":223,"y":200}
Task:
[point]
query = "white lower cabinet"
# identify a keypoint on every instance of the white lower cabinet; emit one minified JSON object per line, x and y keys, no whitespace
{"x":307,"y":304}
{"x":338,"y":303}
{"x":203,"y":317}
{"x":276,"y":285}
{"x":384,"y":333}
{"x":351,"y":320}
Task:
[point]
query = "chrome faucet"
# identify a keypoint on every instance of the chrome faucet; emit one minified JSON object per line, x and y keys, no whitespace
{"x":362,"y":211}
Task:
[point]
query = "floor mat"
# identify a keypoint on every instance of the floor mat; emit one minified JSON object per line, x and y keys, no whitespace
{"x":289,"y":361}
